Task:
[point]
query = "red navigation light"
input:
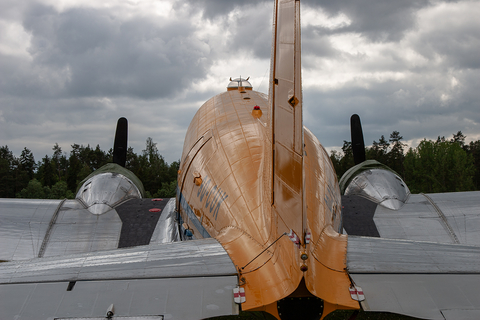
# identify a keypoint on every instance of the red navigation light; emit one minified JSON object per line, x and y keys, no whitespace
{"x":155,"y":210}
{"x":256,"y":112}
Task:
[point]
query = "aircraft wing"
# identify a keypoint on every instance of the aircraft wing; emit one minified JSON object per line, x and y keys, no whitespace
{"x":58,"y":260}
{"x":421,"y":260}
{"x":180,"y":280}
{"x":441,"y":217}
{"x":31,"y":228}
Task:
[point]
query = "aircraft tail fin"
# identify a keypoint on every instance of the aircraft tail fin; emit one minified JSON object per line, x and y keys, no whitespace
{"x":286,"y":113}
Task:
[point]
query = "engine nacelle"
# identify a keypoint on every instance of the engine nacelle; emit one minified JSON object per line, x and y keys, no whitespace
{"x":108,"y":187}
{"x":376,"y":182}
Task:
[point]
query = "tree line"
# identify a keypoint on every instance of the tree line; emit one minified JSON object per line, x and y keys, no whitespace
{"x":433,"y":166}
{"x":57,"y":176}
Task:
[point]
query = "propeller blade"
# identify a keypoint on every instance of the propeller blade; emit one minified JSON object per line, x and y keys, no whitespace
{"x":358,"y":145}
{"x":120,"y":144}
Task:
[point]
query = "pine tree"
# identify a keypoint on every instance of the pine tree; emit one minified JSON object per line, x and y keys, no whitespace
{"x":7,"y":177}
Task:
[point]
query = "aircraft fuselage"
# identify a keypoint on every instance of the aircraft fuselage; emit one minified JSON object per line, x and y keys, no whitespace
{"x":226,"y":191}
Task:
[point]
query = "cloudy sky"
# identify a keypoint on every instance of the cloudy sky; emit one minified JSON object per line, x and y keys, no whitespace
{"x":69,"y":69}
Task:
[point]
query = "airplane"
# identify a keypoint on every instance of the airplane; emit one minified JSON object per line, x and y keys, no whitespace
{"x":260,"y":223}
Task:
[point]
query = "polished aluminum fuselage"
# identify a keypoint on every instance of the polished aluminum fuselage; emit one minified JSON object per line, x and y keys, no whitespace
{"x":228,"y":152}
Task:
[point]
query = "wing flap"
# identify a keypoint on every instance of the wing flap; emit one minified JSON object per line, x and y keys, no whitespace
{"x":182,"y":280}
{"x":201,"y":258}
{"x":424,"y":296}
{"x":173,"y":298}
{"x":461,"y":314}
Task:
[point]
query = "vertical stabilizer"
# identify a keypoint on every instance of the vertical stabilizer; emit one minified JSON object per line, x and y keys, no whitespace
{"x":286,"y":111}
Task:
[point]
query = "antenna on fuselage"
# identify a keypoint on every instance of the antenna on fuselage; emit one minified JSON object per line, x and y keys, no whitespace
{"x":120,"y":143}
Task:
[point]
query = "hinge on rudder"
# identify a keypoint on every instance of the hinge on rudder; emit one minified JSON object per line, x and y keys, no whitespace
{"x":239,"y":295}
{"x":293,"y":101}
{"x":356,"y":293}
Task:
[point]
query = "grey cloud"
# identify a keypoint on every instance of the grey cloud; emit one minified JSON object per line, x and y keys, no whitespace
{"x":102,"y":55}
{"x":316,"y":44}
{"x":12,"y":9}
{"x":215,"y":8}
{"x":81,"y":57}
{"x":434,"y":96}
{"x":248,"y":24}
{"x":252,"y":31}
{"x":378,"y":20}
{"x":458,"y":45}
{"x":413,"y":106}
{"x":39,"y":123}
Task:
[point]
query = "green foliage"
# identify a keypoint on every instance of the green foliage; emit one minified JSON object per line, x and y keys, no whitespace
{"x":46,"y":172}
{"x":433,"y":166}
{"x":336,"y":157}
{"x":60,"y":163}
{"x":474,"y":150}
{"x":34,"y":190}
{"x":153,"y":169}
{"x":459,"y":138}
{"x":379,"y":150}
{"x":57,"y":176}
{"x":7,"y":176}
{"x":396,"y":156}
{"x":60,"y":191}
{"x":168,"y":190}
{"x":27,"y":163}
{"x":441,"y":166}
{"x":345,"y":162}
{"x":390,"y":153}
